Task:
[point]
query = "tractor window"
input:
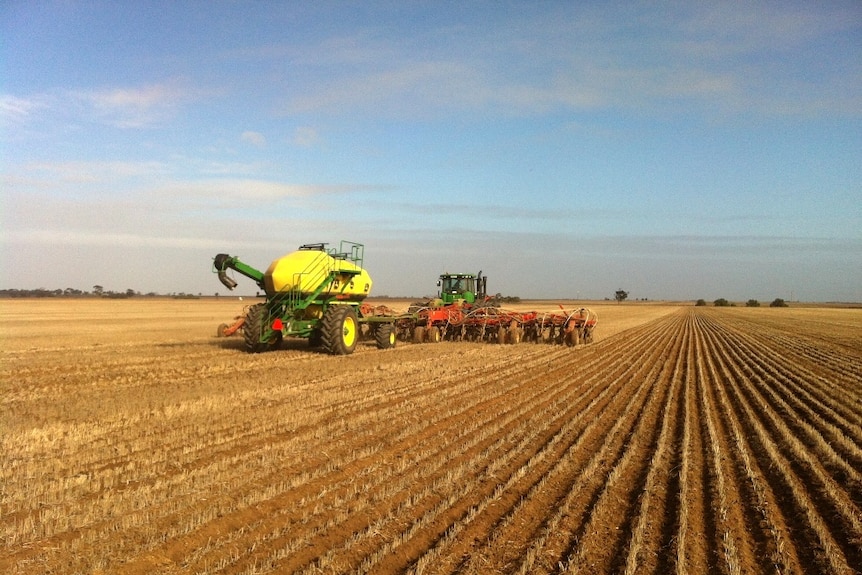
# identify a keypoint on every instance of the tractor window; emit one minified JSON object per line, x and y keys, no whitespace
{"x":458,"y":285}
{"x":451,"y":285}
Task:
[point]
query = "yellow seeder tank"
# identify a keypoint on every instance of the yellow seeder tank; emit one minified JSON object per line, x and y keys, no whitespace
{"x":307,"y":269}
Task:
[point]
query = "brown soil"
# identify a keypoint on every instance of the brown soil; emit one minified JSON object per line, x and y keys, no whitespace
{"x":684,"y":440}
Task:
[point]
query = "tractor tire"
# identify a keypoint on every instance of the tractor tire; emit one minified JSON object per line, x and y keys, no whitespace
{"x":418,"y":334}
{"x":501,"y":335}
{"x":221,"y":329}
{"x":253,"y":329}
{"x":384,"y":336}
{"x":574,"y":337}
{"x":339,"y":330}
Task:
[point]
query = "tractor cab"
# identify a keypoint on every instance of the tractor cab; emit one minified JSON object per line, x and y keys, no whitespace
{"x":466,"y":287}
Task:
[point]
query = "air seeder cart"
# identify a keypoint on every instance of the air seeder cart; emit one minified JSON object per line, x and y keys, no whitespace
{"x":314,"y":293}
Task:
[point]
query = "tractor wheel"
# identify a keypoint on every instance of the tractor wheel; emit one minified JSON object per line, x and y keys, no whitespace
{"x":384,"y":335}
{"x":501,"y":335}
{"x":574,"y":337}
{"x":418,"y":334}
{"x":339,"y":330}
{"x":433,"y":335}
{"x":253,"y":329}
{"x":221,"y":329}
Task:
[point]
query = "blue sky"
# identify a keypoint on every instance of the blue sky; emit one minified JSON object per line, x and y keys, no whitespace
{"x":567,"y":149}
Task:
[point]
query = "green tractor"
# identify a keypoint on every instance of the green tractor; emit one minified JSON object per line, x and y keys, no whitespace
{"x":314,"y":293}
{"x":467,"y":288}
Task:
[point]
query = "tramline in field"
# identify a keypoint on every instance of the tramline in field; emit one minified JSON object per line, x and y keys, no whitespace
{"x":318,"y":294}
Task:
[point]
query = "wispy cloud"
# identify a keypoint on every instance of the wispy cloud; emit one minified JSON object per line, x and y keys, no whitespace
{"x":93,"y":172}
{"x":137,"y":106}
{"x":702,"y":55}
{"x":306,"y":137}
{"x":108,"y":239}
{"x":19,"y":109}
{"x":261,"y":197}
{"x":405,"y":88}
{"x":127,"y":107}
{"x":254,"y":138}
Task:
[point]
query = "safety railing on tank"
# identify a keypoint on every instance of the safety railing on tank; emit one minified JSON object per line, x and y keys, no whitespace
{"x":320,"y":271}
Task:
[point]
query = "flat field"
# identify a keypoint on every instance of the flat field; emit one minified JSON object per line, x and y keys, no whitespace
{"x":684,"y":440}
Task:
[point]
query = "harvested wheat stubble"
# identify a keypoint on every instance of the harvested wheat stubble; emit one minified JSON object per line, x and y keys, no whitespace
{"x":687,"y":440}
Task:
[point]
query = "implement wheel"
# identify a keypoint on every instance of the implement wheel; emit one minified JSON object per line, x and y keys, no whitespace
{"x":339,"y":330}
{"x":418,"y":334}
{"x":514,"y":334}
{"x":384,"y":336}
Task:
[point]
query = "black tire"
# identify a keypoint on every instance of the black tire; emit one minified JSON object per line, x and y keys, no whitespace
{"x":253,"y":329}
{"x":384,"y":335}
{"x":315,"y":339}
{"x":418,"y":334}
{"x":339,"y":330}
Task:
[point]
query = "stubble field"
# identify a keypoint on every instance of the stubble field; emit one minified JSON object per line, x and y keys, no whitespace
{"x":684,"y":440}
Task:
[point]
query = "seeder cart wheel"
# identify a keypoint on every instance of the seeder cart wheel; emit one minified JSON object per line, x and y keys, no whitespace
{"x":253,"y":330}
{"x":339,"y":330}
{"x":221,"y":329}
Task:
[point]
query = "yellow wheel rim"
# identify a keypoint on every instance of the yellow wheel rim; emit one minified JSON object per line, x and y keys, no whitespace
{"x":391,"y":338}
{"x":349,"y":333}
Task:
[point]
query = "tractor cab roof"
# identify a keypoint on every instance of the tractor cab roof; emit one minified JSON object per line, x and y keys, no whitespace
{"x":448,"y":275}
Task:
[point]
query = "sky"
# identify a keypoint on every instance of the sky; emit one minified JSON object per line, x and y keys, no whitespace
{"x":675,"y":150}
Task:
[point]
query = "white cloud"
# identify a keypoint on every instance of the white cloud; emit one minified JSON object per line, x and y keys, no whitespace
{"x":93,"y":172}
{"x":136,"y":107}
{"x":18,"y":109}
{"x":254,"y":138}
{"x":231,"y":190}
{"x":306,"y":137}
{"x":108,"y":239}
{"x":719,"y":59}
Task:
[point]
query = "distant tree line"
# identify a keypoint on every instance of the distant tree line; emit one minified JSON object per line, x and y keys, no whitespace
{"x":507,"y":298}
{"x":98,"y":291}
{"x":68,"y":292}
